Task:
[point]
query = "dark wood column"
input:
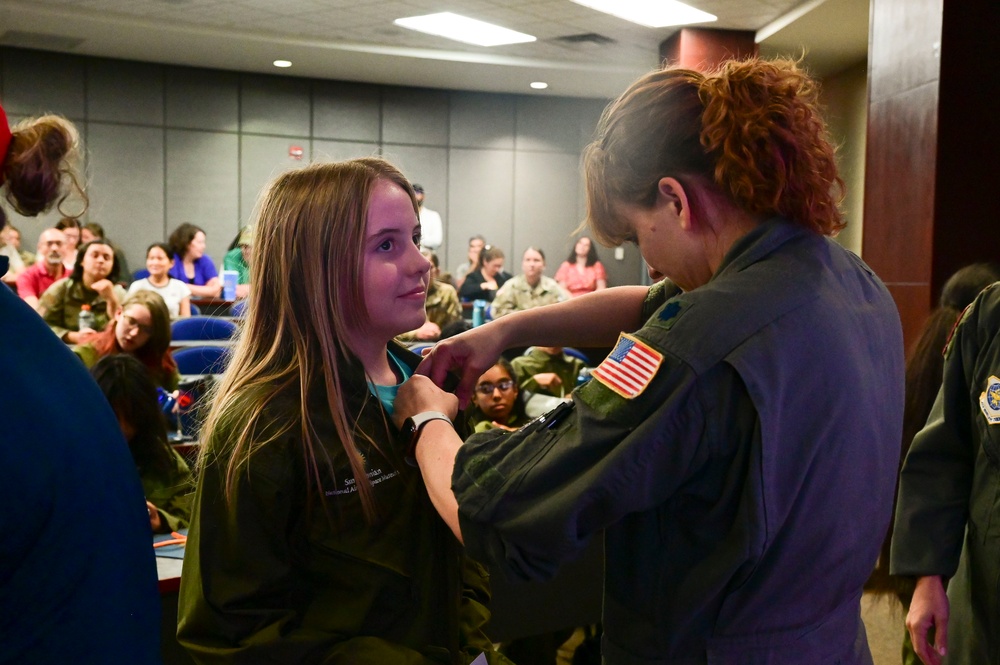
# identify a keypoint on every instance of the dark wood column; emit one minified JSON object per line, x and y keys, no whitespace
{"x":932,"y":194}
{"x":704,"y":48}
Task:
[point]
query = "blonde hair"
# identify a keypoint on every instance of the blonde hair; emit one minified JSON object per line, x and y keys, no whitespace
{"x":310,"y":235}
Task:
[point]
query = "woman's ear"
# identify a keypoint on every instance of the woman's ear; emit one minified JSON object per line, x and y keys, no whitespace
{"x":671,"y":193}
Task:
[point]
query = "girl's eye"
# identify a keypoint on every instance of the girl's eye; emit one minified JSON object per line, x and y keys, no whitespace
{"x":416,"y":239}
{"x":386,"y":246}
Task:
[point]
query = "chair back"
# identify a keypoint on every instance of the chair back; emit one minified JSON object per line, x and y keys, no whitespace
{"x":201,"y":359}
{"x":202,"y":328}
{"x":238,"y":309}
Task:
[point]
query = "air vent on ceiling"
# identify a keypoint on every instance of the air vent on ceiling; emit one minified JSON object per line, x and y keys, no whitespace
{"x":586,"y":39}
{"x":39,"y":40}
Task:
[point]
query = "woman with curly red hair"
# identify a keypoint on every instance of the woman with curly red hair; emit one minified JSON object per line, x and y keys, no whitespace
{"x":738,"y":450}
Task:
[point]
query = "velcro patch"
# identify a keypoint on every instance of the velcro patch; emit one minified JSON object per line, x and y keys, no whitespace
{"x":629,"y":368}
{"x":989,"y":401}
{"x":669,"y":313}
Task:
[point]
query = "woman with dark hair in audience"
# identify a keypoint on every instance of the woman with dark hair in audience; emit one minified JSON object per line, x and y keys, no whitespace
{"x":582,"y":272}
{"x":92,"y":283}
{"x":483,"y":282}
{"x":497,"y":402}
{"x":70,"y":226}
{"x":191,"y":265}
{"x":166,"y":478}
{"x":175,"y":293}
{"x":140,"y":328}
{"x":92,"y":231}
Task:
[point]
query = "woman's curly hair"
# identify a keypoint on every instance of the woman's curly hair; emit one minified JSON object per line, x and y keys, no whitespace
{"x":752,"y":128}
{"x":40,"y":169}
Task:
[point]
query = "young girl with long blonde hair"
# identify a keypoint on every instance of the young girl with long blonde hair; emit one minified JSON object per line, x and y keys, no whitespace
{"x":312,"y":540}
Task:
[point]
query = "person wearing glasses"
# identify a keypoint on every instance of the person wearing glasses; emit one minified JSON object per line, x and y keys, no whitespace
{"x":140,"y":328}
{"x":497,"y":402}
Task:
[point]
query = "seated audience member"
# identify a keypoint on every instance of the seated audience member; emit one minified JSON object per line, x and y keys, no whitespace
{"x":431,"y":226}
{"x":48,"y":269}
{"x":487,"y":278}
{"x":15,"y":264}
{"x":476,"y":244}
{"x":92,"y":231}
{"x":70,"y":227}
{"x":141,"y":328}
{"x":442,"y":306}
{"x":497,"y":401}
{"x":191,"y":265}
{"x":581,"y":272}
{"x":174,"y":292}
{"x":529,"y":289}
{"x":92,"y":283}
{"x":238,"y":259}
{"x":12,"y":237}
{"x":547,"y":370}
{"x":166,"y":478}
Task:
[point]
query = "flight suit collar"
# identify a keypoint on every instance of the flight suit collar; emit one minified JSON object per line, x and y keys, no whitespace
{"x":759,"y":243}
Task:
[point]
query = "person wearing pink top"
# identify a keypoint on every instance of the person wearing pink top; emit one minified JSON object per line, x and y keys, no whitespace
{"x":581,"y":272}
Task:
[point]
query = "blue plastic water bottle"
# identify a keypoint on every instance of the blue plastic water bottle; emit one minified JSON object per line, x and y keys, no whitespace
{"x":478,"y":313}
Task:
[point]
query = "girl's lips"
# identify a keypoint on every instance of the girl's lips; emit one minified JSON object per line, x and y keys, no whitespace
{"x":418,"y":292}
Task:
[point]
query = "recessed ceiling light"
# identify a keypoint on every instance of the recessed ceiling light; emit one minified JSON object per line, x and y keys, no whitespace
{"x":539,"y":85}
{"x":464,"y":29}
{"x":652,"y":13}
{"x":282,"y":63}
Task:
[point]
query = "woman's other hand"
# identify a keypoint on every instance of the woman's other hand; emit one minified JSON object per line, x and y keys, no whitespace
{"x":419,"y":394}
{"x":547,"y":380}
{"x":105,"y":288}
{"x":471,"y":354}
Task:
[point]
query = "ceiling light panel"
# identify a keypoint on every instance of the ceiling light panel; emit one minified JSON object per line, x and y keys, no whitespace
{"x":652,"y":13}
{"x":464,"y":29}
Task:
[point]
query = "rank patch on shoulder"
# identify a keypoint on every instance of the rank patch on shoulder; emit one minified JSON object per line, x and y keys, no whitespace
{"x":989,"y":401}
{"x":669,"y":314}
{"x":629,"y":368}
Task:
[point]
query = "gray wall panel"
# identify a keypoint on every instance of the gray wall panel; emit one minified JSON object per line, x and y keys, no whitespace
{"x":480,"y":120}
{"x":126,"y":189}
{"x":203,"y":185}
{"x":201,"y":146}
{"x":35,"y":82}
{"x":428,"y":167}
{"x":262,"y":158}
{"x":545,"y":197}
{"x":202,"y":99}
{"x":481,"y":201}
{"x":336,"y":151}
{"x":548,"y":124}
{"x":346,"y":111}
{"x":273,"y":105}
{"x":415,"y":116}
{"x":126,"y":92}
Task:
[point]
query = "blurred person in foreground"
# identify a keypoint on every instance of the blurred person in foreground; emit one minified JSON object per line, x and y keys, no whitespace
{"x":738,"y":450}
{"x":77,"y":574}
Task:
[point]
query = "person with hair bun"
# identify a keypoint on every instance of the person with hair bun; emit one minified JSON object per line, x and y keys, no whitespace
{"x":78,"y":576}
{"x":739,"y":449}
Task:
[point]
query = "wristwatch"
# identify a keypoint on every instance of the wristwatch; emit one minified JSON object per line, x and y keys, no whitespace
{"x":412,"y":427}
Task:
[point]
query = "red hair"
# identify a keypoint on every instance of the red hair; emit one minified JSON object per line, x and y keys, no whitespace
{"x":752,"y":128}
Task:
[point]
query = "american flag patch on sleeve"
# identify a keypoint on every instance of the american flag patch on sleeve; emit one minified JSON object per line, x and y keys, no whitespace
{"x":629,"y":368}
